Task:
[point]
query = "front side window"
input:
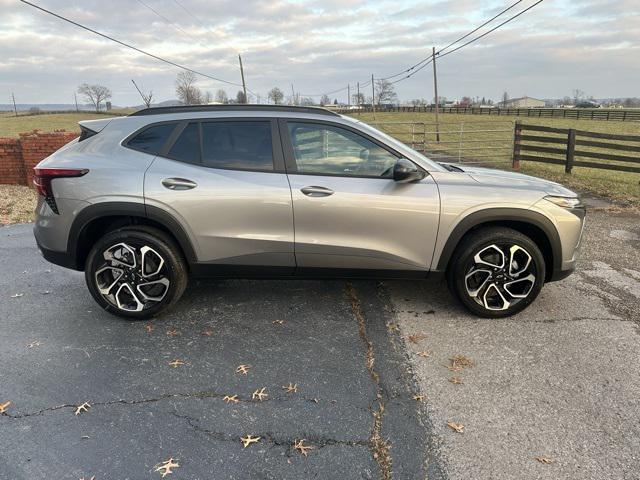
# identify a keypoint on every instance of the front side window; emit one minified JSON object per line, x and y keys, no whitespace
{"x":243,"y":145}
{"x":330,"y":150}
{"x":152,"y":139}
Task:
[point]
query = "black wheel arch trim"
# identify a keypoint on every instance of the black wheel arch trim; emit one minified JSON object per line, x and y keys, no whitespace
{"x":491,"y":215}
{"x":126,"y":209}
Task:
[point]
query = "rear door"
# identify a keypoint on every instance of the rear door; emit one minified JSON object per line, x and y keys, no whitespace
{"x":224,"y":181}
{"x":349,"y":213}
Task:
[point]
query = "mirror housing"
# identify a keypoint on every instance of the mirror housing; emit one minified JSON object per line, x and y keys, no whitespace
{"x":405,"y":171}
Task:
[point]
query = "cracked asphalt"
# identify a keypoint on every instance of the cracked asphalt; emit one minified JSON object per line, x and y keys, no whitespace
{"x":59,"y":350}
{"x":559,"y":381}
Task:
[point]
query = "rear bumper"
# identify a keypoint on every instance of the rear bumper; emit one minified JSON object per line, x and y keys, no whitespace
{"x":64,"y":259}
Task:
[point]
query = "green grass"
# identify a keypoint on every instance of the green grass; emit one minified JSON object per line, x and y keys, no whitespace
{"x":622,"y":187}
{"x":11,"y":126}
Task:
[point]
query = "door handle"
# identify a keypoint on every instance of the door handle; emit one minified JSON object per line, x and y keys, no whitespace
{"x":178,"y":184}
{"x":314,"y":191}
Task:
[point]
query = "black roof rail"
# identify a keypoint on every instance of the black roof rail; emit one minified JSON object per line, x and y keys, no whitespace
{"x":233,"y":108}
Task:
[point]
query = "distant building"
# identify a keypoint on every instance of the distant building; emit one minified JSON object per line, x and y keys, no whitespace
{"x":522,"y":102}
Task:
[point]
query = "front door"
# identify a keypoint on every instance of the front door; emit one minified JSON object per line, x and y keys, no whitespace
{"x":348,"y":211}
{"x":224,"y":181}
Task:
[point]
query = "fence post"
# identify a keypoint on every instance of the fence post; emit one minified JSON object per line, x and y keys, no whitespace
{"x":517,"y":130}
{"x":571,"y":148}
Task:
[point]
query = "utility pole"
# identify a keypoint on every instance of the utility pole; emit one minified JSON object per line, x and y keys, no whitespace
{"x":293,"y":95}
{"x":349,"y":96}
{"x":15,"y":110}
{"x":146,"y":99}
{"x":373,"y":97}
{"x":244,"y":85}
{"x":358,"y":99}
{"x":75,"y":99}
{"x":435,"y":88}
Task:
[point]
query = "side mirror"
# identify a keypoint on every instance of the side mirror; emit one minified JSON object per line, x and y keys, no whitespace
{"x":405,"y":171}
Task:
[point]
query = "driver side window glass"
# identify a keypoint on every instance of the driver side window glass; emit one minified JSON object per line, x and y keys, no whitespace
{"x":325,"y":149}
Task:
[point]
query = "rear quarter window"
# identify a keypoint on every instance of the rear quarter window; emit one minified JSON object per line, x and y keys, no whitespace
{"x":152,"y":139}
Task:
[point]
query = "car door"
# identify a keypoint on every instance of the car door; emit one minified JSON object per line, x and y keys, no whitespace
{"x":224,"y":181}
{"x":348,"y":211}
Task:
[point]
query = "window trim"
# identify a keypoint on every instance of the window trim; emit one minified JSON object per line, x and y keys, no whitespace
{"x":289,"y":155}
{"x":276,"y":146}
{"x":170,"y":139}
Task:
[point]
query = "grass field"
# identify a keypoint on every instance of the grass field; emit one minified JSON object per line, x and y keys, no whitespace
{"x":11,"y":126}
{"x":622,"y":187}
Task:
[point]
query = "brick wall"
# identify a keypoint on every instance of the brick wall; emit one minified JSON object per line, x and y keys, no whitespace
{"x":18,"y":156}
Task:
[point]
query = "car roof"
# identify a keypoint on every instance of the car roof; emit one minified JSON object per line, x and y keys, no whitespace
{"x":245,"y":108}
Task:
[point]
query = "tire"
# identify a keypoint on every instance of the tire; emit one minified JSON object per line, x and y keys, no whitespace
{"x":496,"y":272}
{"x":136,"y":272}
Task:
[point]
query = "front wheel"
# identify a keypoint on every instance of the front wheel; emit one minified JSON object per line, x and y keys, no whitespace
{"x":135,"y":272}
{"x":496,"y":272}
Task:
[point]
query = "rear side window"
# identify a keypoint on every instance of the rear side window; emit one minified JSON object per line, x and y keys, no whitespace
{"x":237,"y":145}
{"x":187,"y":147}
{"x":152,"y":139}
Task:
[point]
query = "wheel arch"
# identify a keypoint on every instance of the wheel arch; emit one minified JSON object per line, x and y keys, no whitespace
{"x":533,"y":224}
{"x":97,"y":219}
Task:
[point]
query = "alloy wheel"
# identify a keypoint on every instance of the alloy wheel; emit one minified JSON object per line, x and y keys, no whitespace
{"x":132,"y":277}
{"x":500,"y":276}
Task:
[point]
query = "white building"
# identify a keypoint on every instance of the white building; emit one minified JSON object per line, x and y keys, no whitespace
{"x":522,"y":102}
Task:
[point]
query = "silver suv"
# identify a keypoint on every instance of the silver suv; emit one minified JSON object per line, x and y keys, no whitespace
{"x":142,"y":202}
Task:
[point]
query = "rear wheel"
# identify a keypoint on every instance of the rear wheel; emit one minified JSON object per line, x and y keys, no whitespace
{"x":496,"y":272}
{"x":136,"y":272}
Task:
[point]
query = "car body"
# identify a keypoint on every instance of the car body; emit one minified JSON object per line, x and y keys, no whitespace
{"x":268,"y":191}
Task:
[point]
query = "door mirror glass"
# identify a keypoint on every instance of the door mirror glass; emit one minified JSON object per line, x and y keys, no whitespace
{"x":405,"y":171}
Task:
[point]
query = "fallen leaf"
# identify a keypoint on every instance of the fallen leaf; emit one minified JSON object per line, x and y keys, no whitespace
{"x":417,"y":337}
{"x":456,"y":380}
{"x":301,"y":447}
{"x":149,"y":328}
{"x":46,"y":292}
{"x":173,"y":332}
{"x":243,"y":369}
{"x":165,"y":467}
{"x":176,"y":363}
{"x":278,"y":322}
{"x":393,"y":327}
{"x":291,"y":388}
{"x":231,"y":398}
{"x":207,"y":333}
{"x":259,"y":394}
{"x":82,"y":408}
{"x":3,"y":406}
{"x":545,"y":460}
{"x":34,"y":344}
{"x":92,"y":478}
{"x":17,"y":295}
{"x":424,"y":354}
{"x":249,"y":439}
{"x":460,"y":362}
{"x":458,"y":427}
{"x":418,"y":398}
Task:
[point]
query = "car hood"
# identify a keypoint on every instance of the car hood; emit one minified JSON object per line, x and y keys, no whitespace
{"x":490,"y":176}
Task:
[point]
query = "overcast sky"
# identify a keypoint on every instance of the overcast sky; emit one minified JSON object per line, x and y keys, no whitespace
{"x":319,"y":46}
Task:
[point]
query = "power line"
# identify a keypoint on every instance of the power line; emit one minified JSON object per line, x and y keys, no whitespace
{"x":165,"y":19}
{"x":492,"y":30}
{"x":480,"y":26}
{"x":130,"y":46}
{"x":189,"y":13}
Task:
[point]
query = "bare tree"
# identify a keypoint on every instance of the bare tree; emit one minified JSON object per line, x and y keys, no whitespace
{"x":147,"y":98}
{"x":357,"y":98}
{"x":276,"y":95}
{"x":186,"y":89}
{"x":240,"y":98}
{"x":306,"y":101}
{"x":95,"y":94}
{"x":385,"y":92}
{"x":577,"y":95}
{"x":221,"y":96}
{"x":325,"y":100}
{"x":505,"y":99}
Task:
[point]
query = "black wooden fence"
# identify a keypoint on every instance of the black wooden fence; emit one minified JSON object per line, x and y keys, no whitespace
{"x":617,"y":114}
{"x":566,"y":146}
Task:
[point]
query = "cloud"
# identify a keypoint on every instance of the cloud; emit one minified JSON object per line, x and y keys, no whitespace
{"x":320,"y":45}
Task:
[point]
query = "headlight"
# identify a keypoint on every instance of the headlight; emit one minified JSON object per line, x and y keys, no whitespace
{"x":565,"y":202}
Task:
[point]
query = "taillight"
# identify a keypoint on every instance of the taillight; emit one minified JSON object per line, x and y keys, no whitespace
{"x":42,"y":180}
